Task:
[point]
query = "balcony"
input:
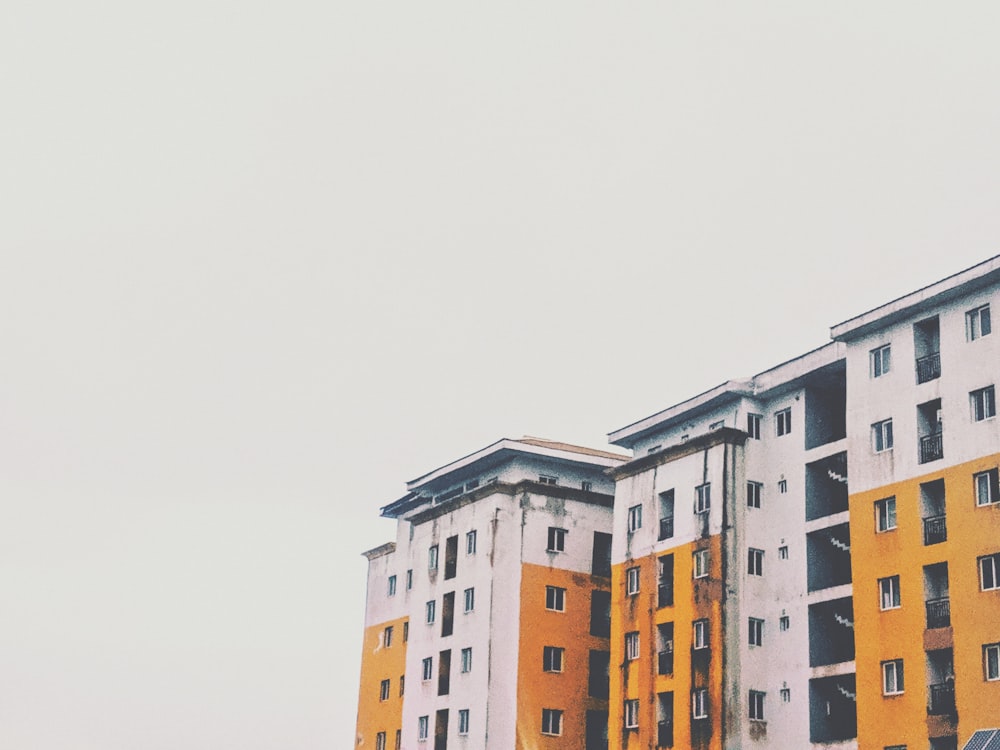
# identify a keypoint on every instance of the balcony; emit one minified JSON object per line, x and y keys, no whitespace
{"x":665,"y":734}
{"x":942,"y":699}
{"x":665,"y":662}
{"x":931,"y":448}
{"x":935,"y":530}
{"x":666,"y":529}
{"x":938,"y":613}
{"x":929,"y":367}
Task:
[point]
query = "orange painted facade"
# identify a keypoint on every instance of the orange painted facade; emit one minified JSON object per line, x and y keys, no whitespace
{"x":890,"y":633}
{"x":380,"y":662}
{"x":569,"y":690}
{"x":693,"y":600}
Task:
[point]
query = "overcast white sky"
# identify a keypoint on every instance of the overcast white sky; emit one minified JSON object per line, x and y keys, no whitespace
{"x":261,"y":263}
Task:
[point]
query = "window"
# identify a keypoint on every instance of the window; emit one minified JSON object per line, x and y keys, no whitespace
{"x":783,"y":552}
{"x":402,"y":685}
{"x":547,"y":479}
{"x":392,"y":585}
{"x":991,"y":661}
{"x":786,"y":695}
{"x":423,"y":727}
{"x":632,"y":646}
{"x":896,"y":747}
{"x":753,"y":426}
{"x":467,"y":660}
{"x":880,"y":361}
{"x":470,"y":543}
{"x":783,"y":422}
{"x":756,"y":631}
{"x":989,"y":572}
{"x":552,"y":659}
{"x":632,"y":714}
{"x":782,"y":486}
{"x":977,"y":323}
{"x":753,"y":494}
{"x":383,"y":691}
{"x":399,"y":739}
{"x":885,"y":514}
{"x":555,"y":599}
{"x":888,"y":592}
{"x":755,"y":562}
{"x":699,"y":703}
{"x":387,"y":636}
{"x":431,"y":612}
{"x":632,"y":581}
{"x":892,"y":677}
{"x":756,"y":705}
{"x":702,"y":498}
{"x":987,"y":487}
{"x":463,"y":721}
{"x":432,"y":558}
{"x":784,"y":623}
{"x":587,"y":486}
{"x":882,"y":436}
{"x":983,"y":403}
{"x":699,"y":635}
{"x":700,"y":563}
{"x":470,"y":599}
{"x":409,"y":580}
{"x":557,"y":540}
{"x":717,"y":425}
{"x":380,"y":741}
{"x":634,"y":518}
{"x":406,"y":631}
{"x":428,"y":668}
{"x":551,"y":721}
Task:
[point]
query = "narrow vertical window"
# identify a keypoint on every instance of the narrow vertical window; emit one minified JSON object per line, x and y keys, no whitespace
{"x":467,"y":659}
{"x":432,"y":557}
{"x":977,"y":323}
{"x":470,"y":543}
{"x":889,"y":593}
{"x":631,"y":713}
{"x":783,"y":422}
{"x":557,"y":540}
{"x":880,"y":361}
{"x":700,"y":563}
{"x":756,"y":707}
{"x":392,"y":585}
{"x":983,"y":403}
{"x":987,"y":485}
{"x":552,"y":721}
{"x":756,"y":626}
{"x":892,"y":677}
{"x":703,"y":498}
{"x":463,"y":721}
{"x":755,"y":562}
{"x":634,"y":518}
{"x":555,"y":598}
{"x":753,"y":494}
{"x":882,"y":436}
{"x":632,"y":646}
{"x":470,"y":599}
{"x":753,"y":426}
{"x":632,"y":581}
{"x":700,"y":635}
{"x":383,"y":691}
{"x":552,"y":659}
{"x":885,"y":514}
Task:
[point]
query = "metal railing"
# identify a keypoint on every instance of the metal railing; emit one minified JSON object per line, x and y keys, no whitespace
{"x":938,"y":613}
{"x":666,"y":528}
{"x":935,"y":530}
{"x":931,"y":448}
{"x":942,"y":699}
{"x":929,"y":367}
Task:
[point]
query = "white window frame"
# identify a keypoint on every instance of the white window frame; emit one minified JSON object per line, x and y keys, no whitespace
{"x":983,"y":403}
{"x":782,"y":486}
{"x":630,"y":710}
{"x":432,"y":557}
{"x":974,"y":320}
{"x":987,"y":484}
{"x":431,"y":611}
{"x":552,"y":721}
{"x":888,"y":593}
{"x":463,"y":721}
{"x":783,"y":422}
{"x":555,"y":599}
{"x":893,"y":682}
{"x":880,"y":361}
{"x":384,"y":689}
{"x":427,"y":669}
{"x":380,"y":741}
{"x":755,"y":491}
{"x":470,"y":542}
{"x":632,"y":646}
{"x":703,"y":498}
{"x":700,"y":564}
{"x":784,"y":623}
{"x":466,"y":657}
{"x":755,"y":628}
{"x":632,"y":581}
{"x":392,"y":585}
{"x":552,"y":658}
{"x":548,"y":479}
{"x":756,"y":705}
{"x":885,"y":514}
{"x":387,"y":636}
{"x":634,"y":518}
{"x":991,"y":661}
{"x":699,"y":703}
{"x":700,"y":635}
{"x":755,"y":561}
{"x":470,"y":599}
{"x":989,"y":572}
{"x":557,"y":540}
{"x":423,"y":728}
{"x":753,"y":426}
{"x":882,"y":436}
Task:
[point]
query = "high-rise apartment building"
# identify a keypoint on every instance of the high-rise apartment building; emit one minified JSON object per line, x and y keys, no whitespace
{"x":806,"y":558}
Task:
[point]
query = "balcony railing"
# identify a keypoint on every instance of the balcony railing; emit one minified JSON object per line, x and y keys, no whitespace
{"x":942,"y":699}
{"x":929,"y":367}
{"x":931,"y":448}
{"x":665,"y":734}
{"x":665,"y":662}
{"x":935,"y":530}
{"x":666,"y":528}
{"x":938,"y":613}
{"x":664,"y":596}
